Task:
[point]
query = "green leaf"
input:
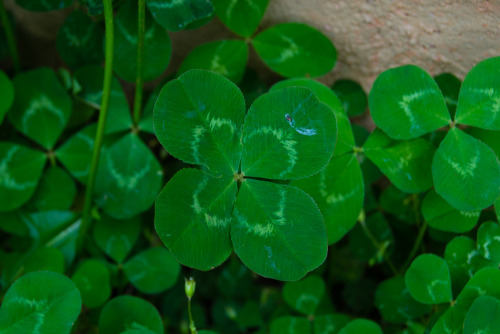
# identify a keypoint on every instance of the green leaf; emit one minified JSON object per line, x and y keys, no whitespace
{"x":198,"y":119}
{"x":129,"y":178}
{"x":41,"y":302}
{"x":92,"y":279}
{"x":479,"y":101}
{"x":361,"y":244}
{"x":483,"y":316}
{"x":129,"y":314}
{"x":89,"y":80}
{"x":338,"y":190}
{"x":488,"y":241}
{"x":361,"y":326}
{"x":227,"y":57}
{"x":41,"y":106}
{"x":20,"y":170}
{"x":56,"y":190}
{"x":116,"y":238}
{"x":395,"y":303}
{"x":12,"y":222}
{"x":290,"y":325}
{"x":489,"y":137}
{"x":466,"y":172}
{"x":330,"y":323}
{"x":450,"y":88}
{"x":157,"y":46}
{"x":428,"y":280}
{"x":45,"y":5}
{"x":76,"y":153}
{"x":94,"y":7}
{"x":442,"y":216}
{"x":304,"y":296}
{"x":79,"y":41}
{"x":407,"y":164}
{"x":6,"y":94}
{"x":242,"y":17}
{"x":345,"y":140}
{"x":352,"y":96}
{"x":144,"y":269}
{"x":406,"y":103}
{"x":399,"y":204}
{"x":176,"y":15}
{"x":284,"y":228}
{"x":484,"y":283}
{"x":288,"y":134}
{"x":46,"y":258}
{"x":295,"y":50}
{"x":192,"y":218}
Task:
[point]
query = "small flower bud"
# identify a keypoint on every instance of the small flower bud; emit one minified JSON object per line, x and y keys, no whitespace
{"x":189,"y":287}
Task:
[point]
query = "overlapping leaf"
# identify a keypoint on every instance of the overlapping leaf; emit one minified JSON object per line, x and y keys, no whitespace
{"x":242,"y":17}
{"x":176,"y":15}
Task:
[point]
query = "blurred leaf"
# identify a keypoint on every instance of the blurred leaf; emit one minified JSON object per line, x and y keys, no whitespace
{"x":56,"y":190}
{"x":450,"y":88}
{"x":177,"y":15}
{"x":361,"y":326}
{"x":353,"y":97}
{"x":330,"y":323}
{"x":6,"y":94}
{"x":242,"y":17}
{"x":483,"y":316}
{"x":92,"y":279}
{"x":45,"y":5}
{"x":488,"y":241}
{"x":304,"y":296}
{"x":362,"y":245}
{"x":290,"y":325}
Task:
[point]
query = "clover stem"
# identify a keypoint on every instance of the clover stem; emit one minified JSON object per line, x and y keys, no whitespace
{"x":101,"y":123}
{"x":11,"y":41}
{"x":381,"y":248}
{"x":141,"y":30}
{"x":416,"y":245}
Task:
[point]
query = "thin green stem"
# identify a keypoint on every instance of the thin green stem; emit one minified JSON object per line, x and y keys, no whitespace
{"x":141,"y":30}
{"x":381,"y":249}
{"x":416,"y":245}
{"x":192,"y":327}
{"x":9,"y":34}
{"x":103,"y":113}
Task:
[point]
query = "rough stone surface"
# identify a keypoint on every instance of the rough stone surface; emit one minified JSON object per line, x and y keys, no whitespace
{"x":370,"y":36}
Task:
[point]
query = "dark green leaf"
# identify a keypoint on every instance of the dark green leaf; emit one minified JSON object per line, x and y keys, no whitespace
{"x":483,"y":316}
{"x":345,"y":140}
{"x":41,"y":302}
{"x":399,"y":204}
{"x":407,"y":164}
{"x":442,"y":216}
{"x":198,"y":119}
{"x":45,"y":258}
{"x":295,"y":50}
{"x":428,"y":280}
{"x":175,"y":15}
{"x":330,"y":323}
{"x":228,"y":58}
{"x":479,"y":101}
{"x":153,"y":270}
{"x":192,"y":218}
{"x":242,"y":17}
{"x":361,"y":326}
{"x":466,"y":172}
{"x":116,"y":238}
{"x":129,"y":178}
{"x":288,"y":134}
{"x":20,"y":170}
{"x":338,"y":190}
{"x":305,"y":295}
{"x":352,"y":95}
{"x":41,"y":106}
{"x":157,"y":48}
{"x":290,"y":325}
{"x":6,"y":94}
{"x":79,"y":41}
{"x":488,"y":241}
{"x":45,"y":5}
{"x":362,"y":245}
{"x":130,"y":315}
{"x":395,"y":303}
{"x":76,"y":153}
{"x":406,"y":103}
{"x":56,"y":190}
{"x":450,"y":88}
{"x":92,"y":279}
{"x":284,"y":228}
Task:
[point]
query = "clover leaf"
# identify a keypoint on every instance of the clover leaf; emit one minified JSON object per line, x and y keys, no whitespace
{"x":179,"y":14}
{"x":242,"y":17}
{"x":201,"y":215}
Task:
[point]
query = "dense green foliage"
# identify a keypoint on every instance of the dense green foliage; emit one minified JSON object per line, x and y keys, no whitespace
{"x":107,"y":206}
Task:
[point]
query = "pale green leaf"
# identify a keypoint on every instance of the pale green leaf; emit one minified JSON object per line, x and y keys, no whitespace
{"x":41,"y":106}
{"x":466,"y":172}
{"x":198,"y":119}
{"x":192,"y":218}
{"x":227,"y":57}
{"x":406,"y":103}
{"x":241,"y":16}
{"x":40,"y":302}
{"x":479,"y":101}
{"x":129,"y":178}
{"x":284,"y":227}
{"x":20,"y":170}
{"x":295,"y":50}
{"x":288,"y":134}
